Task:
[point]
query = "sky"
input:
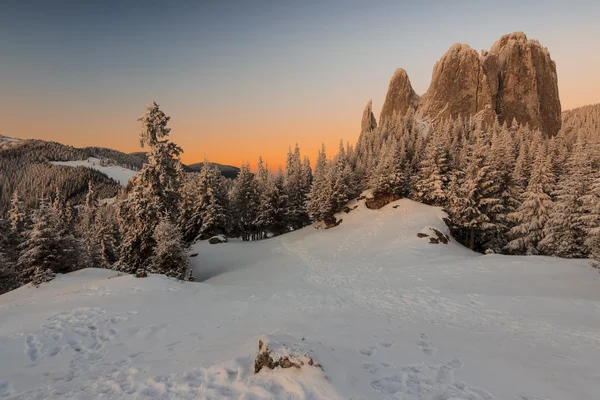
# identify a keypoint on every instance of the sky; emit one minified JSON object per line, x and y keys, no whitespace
{"x":247,"y":78}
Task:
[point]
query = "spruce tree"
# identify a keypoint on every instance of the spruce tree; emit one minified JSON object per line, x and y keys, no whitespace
{"x":42,"y":253}
{"x":154,"y":192}
{"x":295,"y":188}
{"x":17,"y":214}
{"x":432,"y":179}
{"x":472,"y":197}
{"x":531,"y":216}
{"x":170,"y":257}
{"x":565,"y":232}
{"x":244,"y":203}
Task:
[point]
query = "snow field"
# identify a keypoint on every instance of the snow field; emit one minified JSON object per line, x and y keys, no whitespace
{"x":387,"y":314}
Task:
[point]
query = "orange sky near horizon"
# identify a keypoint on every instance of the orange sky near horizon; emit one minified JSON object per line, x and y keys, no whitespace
{"x":208,"y":138}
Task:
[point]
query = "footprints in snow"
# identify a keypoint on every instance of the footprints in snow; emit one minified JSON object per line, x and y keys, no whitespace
{"x":82,"y":330}
{"x":426,"y":347}
{"x":370,"y":350}
{"x":419,"y":380}
{"x":425,"y":381}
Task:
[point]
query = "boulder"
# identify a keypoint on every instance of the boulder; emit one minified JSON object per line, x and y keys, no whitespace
{"x":217,"y":239}
{"x":141,"y":273}
{"x":276,"y":354}
{"x":400,"y":97}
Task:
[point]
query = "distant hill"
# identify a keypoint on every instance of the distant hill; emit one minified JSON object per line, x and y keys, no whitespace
{"x":37,"y":167}
{"x":228,"y":171}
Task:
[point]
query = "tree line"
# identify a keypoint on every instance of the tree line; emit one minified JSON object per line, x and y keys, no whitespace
{"x":505,"y":188}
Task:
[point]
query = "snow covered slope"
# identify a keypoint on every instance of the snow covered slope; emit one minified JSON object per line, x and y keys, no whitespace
{"x":387,"y":314}
{"x":120,"y":174}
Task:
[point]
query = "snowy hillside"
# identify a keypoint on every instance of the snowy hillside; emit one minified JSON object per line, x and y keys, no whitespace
{"x":387,"y":314}
{"x":120,"y":174}
{"x":8,"y":139}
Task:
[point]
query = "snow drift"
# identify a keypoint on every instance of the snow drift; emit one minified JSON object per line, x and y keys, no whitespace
{"x":386,"y":314}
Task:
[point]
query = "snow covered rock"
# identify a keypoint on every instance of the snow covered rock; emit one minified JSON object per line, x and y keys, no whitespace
{"x":217,"y":239}
{"x":435,"y":236}
{"x":283,"y":354}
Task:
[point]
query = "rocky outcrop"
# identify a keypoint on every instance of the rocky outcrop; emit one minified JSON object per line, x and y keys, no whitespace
{"x":400,"y":96}
{"x":459,"y":86}
{"x":368,"y":122}
{"x":516,"y":79}
{"x":527,"y":83}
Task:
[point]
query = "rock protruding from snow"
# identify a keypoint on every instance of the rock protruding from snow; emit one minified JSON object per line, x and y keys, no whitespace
{"x":528,"y":83}
{"x":400,"y":97}
{"x":275,"y":353}
{"x":459,"y":86}
{"x":368,"y":122}
{"x":217,"y":239}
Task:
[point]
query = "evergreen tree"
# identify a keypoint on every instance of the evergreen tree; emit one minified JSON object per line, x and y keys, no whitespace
{"x":565,"y":232}
{"x":390,"y":177}
{"x":471,"y":197}
{"x":154,"y":192}
{"x":533,"y":213}
{"x":431,"y":183}
{"x":91,"y":255}
{"x":341,"y":179}
{"x":107,"y":236}
{"x":205,"y":204}
{"x":502,"y":163}
{"x":244,"y":203}
{"x":273,"y":212}
{"x":17,"y":214}
{"x":321,"y":202}
{"x":8,"y":257}
{"x":44,"y":252}
{"x":295,"y":188}
{"x":170,"y":257}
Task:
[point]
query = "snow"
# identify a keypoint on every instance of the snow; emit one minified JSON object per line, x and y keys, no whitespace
{"x":8,"y":139}
{"x":386,"y":314}
{"x":120,"y":174}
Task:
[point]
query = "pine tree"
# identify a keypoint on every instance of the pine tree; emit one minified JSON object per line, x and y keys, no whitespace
{"x":273,"y":212}
{"x":107,"y":236}
{"x":154,"y":192}
{"x":390,"y":177}
{"x":565,"y":232}
{"x":205,"y":204}
{"x":44,"y":252}
{"x":502,"y":163}
{"x":88,"y":229}
{"x":17,"y":214}
{"x":170,"y":257}
{"x":295,"y":188}
{"x":471,"y":197}
{"x":321,"y":203}
{"x":533,"y":213}
{"x":341,"y":179}
{"x":432,"y":180}
{"x":8,"y":257}
{"x":244,"y":203}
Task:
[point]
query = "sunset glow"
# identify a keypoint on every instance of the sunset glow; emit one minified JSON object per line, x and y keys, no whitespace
{"x":265,"y":77}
